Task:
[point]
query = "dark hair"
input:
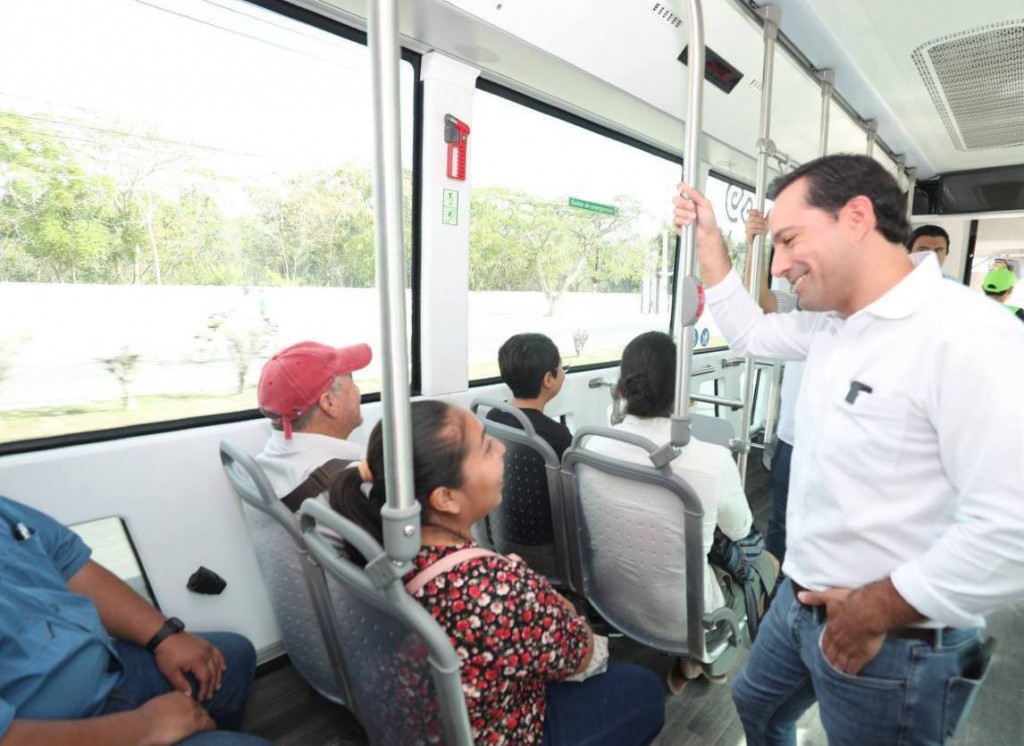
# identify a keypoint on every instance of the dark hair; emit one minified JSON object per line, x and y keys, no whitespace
{"x":927,"y":230}
{"x":647,"y":380}
{"x":524,"y":360}
{"x":438,"y":450}
{"x":834,"y":180}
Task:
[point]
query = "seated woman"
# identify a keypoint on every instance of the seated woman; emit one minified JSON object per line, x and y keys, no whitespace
{"x":517,"y":638}
{"x":647,"y":384}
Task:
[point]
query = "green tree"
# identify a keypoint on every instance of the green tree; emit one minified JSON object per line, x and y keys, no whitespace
{"x":192,"y":235}
{"x":522,"y":243}
{"x":51,"y":212}
{"x":316,"y":229}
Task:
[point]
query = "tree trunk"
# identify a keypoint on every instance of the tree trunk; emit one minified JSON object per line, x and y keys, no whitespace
{"x":157,"y":277}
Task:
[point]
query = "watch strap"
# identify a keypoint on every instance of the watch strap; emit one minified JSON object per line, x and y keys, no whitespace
{"x":172,"y":626}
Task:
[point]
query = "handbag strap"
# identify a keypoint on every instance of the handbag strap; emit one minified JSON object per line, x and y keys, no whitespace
{"x":445,"y":564}
{"x":319,"y":480}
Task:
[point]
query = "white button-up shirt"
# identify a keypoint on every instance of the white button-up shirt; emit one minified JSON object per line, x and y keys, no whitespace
{"x":287,"y":463}
{"x":920,"y":475}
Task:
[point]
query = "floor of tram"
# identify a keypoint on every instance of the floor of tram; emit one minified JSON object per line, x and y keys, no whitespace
{"x":284,"y":709}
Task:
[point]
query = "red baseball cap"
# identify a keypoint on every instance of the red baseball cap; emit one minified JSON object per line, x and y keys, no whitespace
{"x":293,"y":379}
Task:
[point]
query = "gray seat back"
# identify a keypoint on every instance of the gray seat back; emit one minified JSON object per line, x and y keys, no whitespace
{"x":531,"y":518}
{"x":408,"y":688}
{"x":712,"y":430}
{"x":635,"y":538}
{"x":295,"y":582}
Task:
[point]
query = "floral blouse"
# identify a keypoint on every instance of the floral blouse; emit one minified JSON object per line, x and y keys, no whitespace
{"x":512,"y":635}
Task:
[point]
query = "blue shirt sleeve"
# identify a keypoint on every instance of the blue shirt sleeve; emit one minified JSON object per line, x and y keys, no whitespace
{"x":68,"y":552}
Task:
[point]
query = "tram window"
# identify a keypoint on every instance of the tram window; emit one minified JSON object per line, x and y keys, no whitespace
{"x":112,"y":547}
{"x":570,"y":236}
{"x":193,"y":195}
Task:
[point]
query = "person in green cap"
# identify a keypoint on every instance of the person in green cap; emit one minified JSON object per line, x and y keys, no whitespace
{"x":998,"y":285}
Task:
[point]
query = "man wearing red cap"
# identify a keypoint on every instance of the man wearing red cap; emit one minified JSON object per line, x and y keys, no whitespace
{"x":308,"y":393}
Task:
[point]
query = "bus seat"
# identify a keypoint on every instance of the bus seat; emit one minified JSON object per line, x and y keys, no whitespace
{"x":408,"y":687}
{"x":530,"y":520}
{"x":295,"y":582}
{"x":712,"y":430}
{"x":635,"y":541}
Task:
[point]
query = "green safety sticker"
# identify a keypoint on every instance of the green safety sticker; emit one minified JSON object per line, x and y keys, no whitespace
{"x":450,"y":207}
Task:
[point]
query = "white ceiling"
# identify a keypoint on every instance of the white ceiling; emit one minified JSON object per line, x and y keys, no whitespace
{"x":871,"y":43}
{"x":622,"y":67}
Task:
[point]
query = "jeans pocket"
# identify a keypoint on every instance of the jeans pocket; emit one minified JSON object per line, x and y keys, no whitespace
{"x":962,"y":691}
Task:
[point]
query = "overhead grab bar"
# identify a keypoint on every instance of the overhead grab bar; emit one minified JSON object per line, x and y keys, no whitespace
{"x":686,"y":306}
{"x":772,"y":16}
{"x":400,"y":515}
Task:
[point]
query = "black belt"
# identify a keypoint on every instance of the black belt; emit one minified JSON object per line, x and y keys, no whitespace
{"x":928,"y":634}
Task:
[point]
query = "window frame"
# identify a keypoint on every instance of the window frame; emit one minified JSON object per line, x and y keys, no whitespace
{"x":336,"y":28}
{"x":542,"y":107}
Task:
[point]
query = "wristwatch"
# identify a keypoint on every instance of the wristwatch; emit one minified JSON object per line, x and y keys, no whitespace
{"x":172,"y":626}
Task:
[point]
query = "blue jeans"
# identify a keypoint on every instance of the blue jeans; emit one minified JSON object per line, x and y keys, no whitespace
{"x":775,"y":537}
{"x":913,"y":693}
{"x":143,"y":681}
{"x":625,"y":706}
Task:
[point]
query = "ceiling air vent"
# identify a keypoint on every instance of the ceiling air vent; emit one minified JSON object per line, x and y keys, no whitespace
{"x":662,"y":12}
{"x":976,"y":81}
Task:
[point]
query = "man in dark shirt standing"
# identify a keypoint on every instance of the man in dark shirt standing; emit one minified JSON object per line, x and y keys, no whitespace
{"x":531,"y":366}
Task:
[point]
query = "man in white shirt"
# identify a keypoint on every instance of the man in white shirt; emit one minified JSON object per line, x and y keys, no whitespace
{"x":905,"y":518}
{"x":308,"y":393}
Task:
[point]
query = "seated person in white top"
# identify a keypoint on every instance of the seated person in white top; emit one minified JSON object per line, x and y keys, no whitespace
{"x":308,"y":393}
{"x":647,"y":384}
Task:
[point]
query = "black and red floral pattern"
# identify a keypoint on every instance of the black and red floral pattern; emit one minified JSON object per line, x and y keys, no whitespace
{"x":512,"y":634}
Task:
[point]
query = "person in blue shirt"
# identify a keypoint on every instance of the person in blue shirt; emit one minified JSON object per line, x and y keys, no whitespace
{"x":84,"y":660}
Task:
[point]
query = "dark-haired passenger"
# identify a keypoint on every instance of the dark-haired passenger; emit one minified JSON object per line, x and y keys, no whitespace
{"x":647,"y":383}
{"x":517,"y":637}
{"x":531,"y":367}
{"x":932,"y":238}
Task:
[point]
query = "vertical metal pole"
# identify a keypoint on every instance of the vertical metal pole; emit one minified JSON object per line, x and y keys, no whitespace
{"x":663,"y":281}
{"x":912,"y":176}
{"x":772,"y":16}
{"x":828,"y":84}
{"x":901,"y":165}
{"x":872,"y":132}
{"x":691,"y":172}
{"x":401,"y":514}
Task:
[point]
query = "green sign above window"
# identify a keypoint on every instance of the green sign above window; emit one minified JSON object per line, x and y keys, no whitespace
{"x":582,"y":204}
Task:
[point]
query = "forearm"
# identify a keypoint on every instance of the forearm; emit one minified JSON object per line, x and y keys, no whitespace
{"x":123,"y":612}
{"x":123,"y":729}
{"x":589,"y":654}
{"x":713,"y":257}
{"x":882,"y":607}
